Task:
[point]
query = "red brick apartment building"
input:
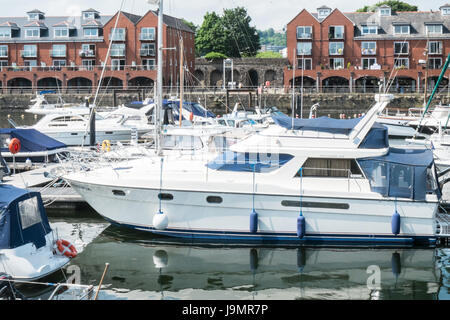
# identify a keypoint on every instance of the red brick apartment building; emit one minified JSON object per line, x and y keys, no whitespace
{"x":69,"y":52}
{"x":360,"y":51}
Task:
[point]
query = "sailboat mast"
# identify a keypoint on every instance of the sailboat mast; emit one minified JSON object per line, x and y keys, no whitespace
{"x":159,"y":80}
{"x":181,"y":78}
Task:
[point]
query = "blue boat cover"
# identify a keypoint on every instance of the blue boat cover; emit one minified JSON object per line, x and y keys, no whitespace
{"x":402,"y":173}
{"x":193,"y":107}
{"x":46,"y":91}
{"x":20,"y":224}
{"x":323,"y":124}
{"x":32,"y":140}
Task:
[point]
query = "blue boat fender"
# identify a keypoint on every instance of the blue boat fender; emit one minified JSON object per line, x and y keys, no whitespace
{"x":254,"y":221}
{"x":395,"y":223}
{"x":301,"y":226}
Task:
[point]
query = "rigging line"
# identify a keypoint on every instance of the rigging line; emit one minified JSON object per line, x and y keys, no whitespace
{"x":249,"y":44}
{"x":103,"y":70}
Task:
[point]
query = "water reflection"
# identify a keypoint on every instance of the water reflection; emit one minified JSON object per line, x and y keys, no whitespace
{"x":145,"y":267}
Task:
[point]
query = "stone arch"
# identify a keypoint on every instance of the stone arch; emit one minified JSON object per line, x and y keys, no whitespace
{"x":216,"y":78}
{"x":111,"y":82}
{"x":236,"y":76}
{"x":335,"y":84}
{"x":19,"y":83}
{"x":307,"y":82}
{"x":199,"y":77}
{"x":432,"y":83}
{"x":253,"y":78}
{"x":403,"y":84}
{"x":367,"y":84}
{"x":141,"y":82}
{"x":80,"y":83}
{"x":49,"y":82}
{"x":270,"y":75}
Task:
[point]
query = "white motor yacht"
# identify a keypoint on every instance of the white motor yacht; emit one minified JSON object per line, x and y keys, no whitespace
{"x":302,"y":181}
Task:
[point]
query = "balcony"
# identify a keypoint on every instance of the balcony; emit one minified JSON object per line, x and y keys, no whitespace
{"x":117,"y":36}
{"x":28,"y":54}
{"x":147,"y":52}
{"x":368,"y":51}
{"x":58,"y":53}
{"x":87,"y":53}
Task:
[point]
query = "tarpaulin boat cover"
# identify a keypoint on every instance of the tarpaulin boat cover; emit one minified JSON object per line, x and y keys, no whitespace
{"x":32,"y":140}
{"x":193,"y":107}
{"x":22,"y":218}
{"x":402,"y":173}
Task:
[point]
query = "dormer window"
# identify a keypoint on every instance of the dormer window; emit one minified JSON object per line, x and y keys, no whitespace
{"x":402,"y":29}
{"x":35,"y":15}
{"x":32,"y":32}
{"x":445,"y":10}
{"x":61,"y":32}
{"x":90,"y":32}
{"x":384,"y":10}
{"x":323,"y":11}
{"x":369,"y":29}
{"x":5,"y":32}
{"x":434,"y":28}
{"x":88,"y":15}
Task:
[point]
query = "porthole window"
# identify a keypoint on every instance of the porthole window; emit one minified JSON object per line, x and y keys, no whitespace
{"x":165,"y":196}
{"x":214,"y":199}
{"x":118,"y":193}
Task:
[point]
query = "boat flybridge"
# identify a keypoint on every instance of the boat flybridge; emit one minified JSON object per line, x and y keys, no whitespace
{"x":41,"y":106}
{"x":303,"y":181}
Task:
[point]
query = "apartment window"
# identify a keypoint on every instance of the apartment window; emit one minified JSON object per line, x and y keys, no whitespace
{"x":369,"y":48}
{"x":337,"y":63}
{"x":5,"y":32}
{"x":434,"y":63}
{"x":336,"y":48}
{"x":304,"y":48}
{"x":3,"y":51}
{"x":87,"y":50}
{"x":337,"y":168}
{"x":147,"y":33}
{"x":369,"y":30}
{"x":336,"y":32}
{"x":61,"y":32}
{"x":367,"y":63}
{"x":33,"y":16}
{"x":304,"y":32}
{"x":401,"y":47}
{"x":446,"y":11}
{"x":434,"y":47}
{"x":307,"y":62}
{"x":88,"y":64}
{"x":434,"y":29}
{"x":147,"y":49}
{"x":149,"y":64}
{"x":118,"y":50}
{"x":29,"y":51}
{"x":117,"y":34}
{"x":90,"y":32}
{"x":117,"y":64}
{"x":323,"y":13}
{"x":401,"y":63}
{"x":32,"y":33}
{"x":401,"y":29}
{"x":59,"y":50}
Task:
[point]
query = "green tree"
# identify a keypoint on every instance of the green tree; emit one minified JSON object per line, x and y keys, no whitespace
{"x":270,"y":37}
{"x":211,"y":36}
{"x":242,"y":38}
{"x":394,"y":4}
{"x":190,"y":25}
{"x":269,"y":55}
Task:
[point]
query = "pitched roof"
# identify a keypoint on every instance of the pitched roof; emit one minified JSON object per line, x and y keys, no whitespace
{"x":132,"y":17}
{"x":39,"y":24}
{"x":9,"y":24}
{"x":90,"y":10}
{"x":35,"y":11}
{"x":65,"y":23}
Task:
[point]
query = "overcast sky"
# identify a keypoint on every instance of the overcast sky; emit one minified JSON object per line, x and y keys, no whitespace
{"x":264,"y":13}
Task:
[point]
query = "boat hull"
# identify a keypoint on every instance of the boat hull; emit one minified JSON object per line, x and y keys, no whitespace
{"x":328,"y":219}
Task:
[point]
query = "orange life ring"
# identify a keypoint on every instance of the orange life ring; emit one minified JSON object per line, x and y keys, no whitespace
{"x":66,"y":248}
{"x":14,"y":145}
{"x":191,"y":116}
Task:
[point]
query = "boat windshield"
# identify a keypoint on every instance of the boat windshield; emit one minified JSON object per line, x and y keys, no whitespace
{"x":249,"y":162}
{"x":181,"y":142}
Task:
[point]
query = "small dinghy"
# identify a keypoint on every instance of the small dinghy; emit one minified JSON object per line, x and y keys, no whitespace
{"x":29,"y":248}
